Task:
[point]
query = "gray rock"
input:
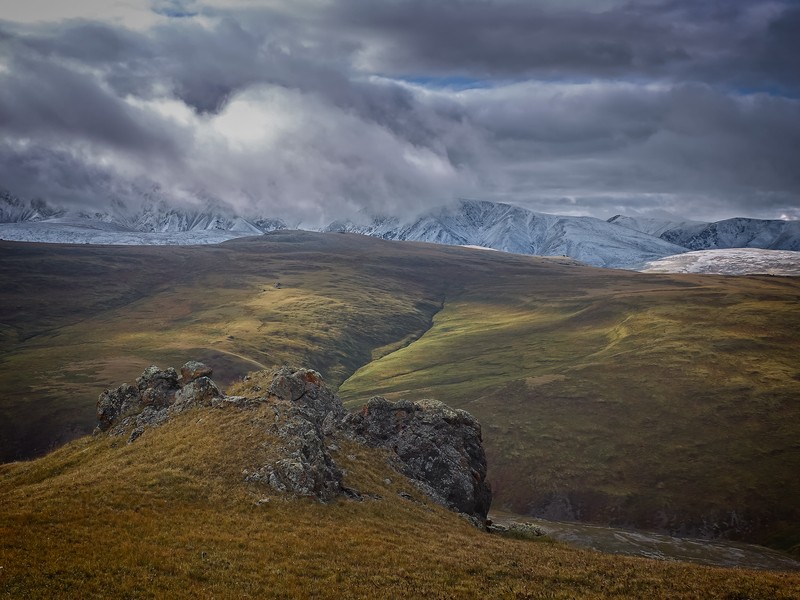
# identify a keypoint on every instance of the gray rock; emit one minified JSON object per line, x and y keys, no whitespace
{"x":157,"y":395}
{"x":193,"y":370}
{"x":306,"y":467}
{"x":438,"y":446}
{"x":198,"y":392}
{"x":306,"y":389}
{"x":157,"y":387}
{"x":115,"y":404}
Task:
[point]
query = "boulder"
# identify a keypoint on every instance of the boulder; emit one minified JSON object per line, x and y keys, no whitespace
{"x":437,"y":445}
{"x":156,"y":393}
{"x":306,"y":389}
{"x":114,"y":404}
{"x":157,"y":387}
{"x":193,"y":370}
{"x":306,"y":467}
{"x":201,"y":391}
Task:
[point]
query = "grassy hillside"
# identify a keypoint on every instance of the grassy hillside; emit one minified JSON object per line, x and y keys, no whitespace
{"x":76,"y":320}
{"x":171,"y":516}
{"x":666,"y":404}
{"x":662,"y":401}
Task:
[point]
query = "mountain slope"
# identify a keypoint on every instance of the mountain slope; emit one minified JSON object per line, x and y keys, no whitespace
{"x":513,"y":229}
{"x":730,"y":233}
{"x":15,"y":210}
{"x":654,"y":227}
{"x":84,"y":231}
{"x":154,"y":223}
{"x":738,"y":233}
{"x":608,"y":396}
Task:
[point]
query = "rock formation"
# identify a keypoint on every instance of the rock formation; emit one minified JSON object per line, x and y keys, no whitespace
{"x":436,"y":445}
{"x":306,"y":413}
{"x":157,"y":395}
{"x":438,"y":448}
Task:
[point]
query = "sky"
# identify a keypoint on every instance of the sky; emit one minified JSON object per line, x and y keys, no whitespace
{"x":315,"y":110}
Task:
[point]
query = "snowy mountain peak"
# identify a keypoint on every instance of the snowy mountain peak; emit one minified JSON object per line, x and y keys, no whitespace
{"x":731,"y":233}
{"x":156,"y":222}
{"x":521,"y":231}
{"x":15,"y":210}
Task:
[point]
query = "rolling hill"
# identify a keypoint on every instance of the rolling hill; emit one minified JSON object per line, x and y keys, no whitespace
{"x":172,"y":515}
{"x":661,"y":401}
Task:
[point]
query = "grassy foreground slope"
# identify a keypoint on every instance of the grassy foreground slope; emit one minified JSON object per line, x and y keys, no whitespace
{"x":170,"y":516}
{"x":662,"y":401}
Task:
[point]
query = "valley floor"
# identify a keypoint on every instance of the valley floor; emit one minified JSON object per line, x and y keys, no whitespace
{"x":628,"y":542}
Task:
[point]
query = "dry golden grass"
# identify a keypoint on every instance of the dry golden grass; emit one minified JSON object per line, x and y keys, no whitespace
{"x":171,"y":516}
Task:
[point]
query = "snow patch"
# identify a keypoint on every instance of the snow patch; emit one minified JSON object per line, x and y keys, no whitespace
{"x":730,"y":261}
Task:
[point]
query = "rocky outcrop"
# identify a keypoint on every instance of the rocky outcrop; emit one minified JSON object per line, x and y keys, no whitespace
{"x":306,"y":413}
{"x":156,"y":387}
{"x":436,"y":445}
{"x":193,"y":369}
{"x":305,"y":389}
{"x":156,"y":395}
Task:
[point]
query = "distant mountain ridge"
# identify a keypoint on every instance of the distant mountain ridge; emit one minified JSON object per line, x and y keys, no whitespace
{"x":621,"y":242}
{"x":15,"y":210}
{"x":738,"y":232}
{"x":154,"y":223}
{"x":521,"y":231}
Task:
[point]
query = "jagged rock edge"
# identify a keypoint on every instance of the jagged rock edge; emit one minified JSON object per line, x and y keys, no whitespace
{"x":438,"y":448}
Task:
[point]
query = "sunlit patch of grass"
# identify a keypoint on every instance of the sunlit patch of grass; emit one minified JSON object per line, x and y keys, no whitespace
{"x":651,"y":405}
{"x":225,"y":309}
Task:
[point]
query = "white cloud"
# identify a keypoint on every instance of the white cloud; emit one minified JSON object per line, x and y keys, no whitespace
{"x":270,"y":107}
{"x":135,"y":14}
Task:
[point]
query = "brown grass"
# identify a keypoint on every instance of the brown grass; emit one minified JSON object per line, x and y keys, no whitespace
{"x":658,"y":401}
{"x":170,"y":516}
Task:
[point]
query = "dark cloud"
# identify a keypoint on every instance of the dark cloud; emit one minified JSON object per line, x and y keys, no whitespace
{"x":46,"y":100}
{"x":62,"y":177}
{"x":740,"y":42}
{"x":318,"y":111}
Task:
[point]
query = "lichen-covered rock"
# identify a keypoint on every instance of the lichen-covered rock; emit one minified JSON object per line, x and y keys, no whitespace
{"x":113,"y":404}
{"x":157,"y":394}
{"x":306,"y":389}
{"x":198,"y":392}
{"x":157,"y":387}
{"x":193,"y":370}
{"x":439,"y":446}
{"x":306,"y":413}
{"x":306,"y":468}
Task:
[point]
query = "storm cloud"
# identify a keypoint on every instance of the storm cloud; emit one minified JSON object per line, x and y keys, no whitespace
{"x":313,"y":111}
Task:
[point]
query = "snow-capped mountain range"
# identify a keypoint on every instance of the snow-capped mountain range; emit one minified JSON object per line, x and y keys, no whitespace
{"x":620,"y":242}
{"x":730,"y":233}
{"x":513,"y":229}
{"x":154,"y":223}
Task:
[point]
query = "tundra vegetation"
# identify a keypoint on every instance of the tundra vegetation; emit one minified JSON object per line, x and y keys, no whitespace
{"x":171,"y":513}
{"x":659,"y":401}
